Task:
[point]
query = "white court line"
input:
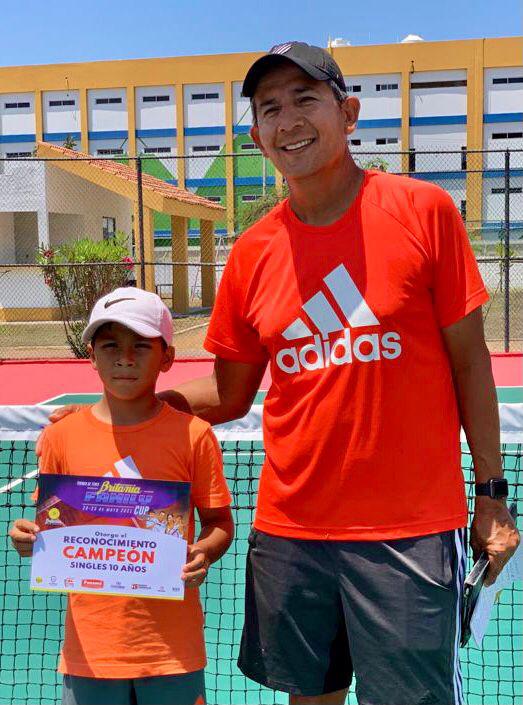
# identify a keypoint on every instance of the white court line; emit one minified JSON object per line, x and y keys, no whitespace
{"x":15,"y":483}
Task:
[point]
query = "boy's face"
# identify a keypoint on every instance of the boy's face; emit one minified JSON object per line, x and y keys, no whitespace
{"x":127,"y":363}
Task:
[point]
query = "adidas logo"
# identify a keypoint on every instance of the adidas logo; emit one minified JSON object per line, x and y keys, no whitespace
{"x":323,"y":352}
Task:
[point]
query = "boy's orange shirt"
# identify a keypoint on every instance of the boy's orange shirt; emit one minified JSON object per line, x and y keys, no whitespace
{"x":128,"y":637}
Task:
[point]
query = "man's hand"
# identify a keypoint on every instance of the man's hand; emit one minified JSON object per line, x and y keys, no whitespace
{"x":23,"y":535}
{"x":493,"y":531}
{"x":57,"y":414}
{"x":195,"y":570}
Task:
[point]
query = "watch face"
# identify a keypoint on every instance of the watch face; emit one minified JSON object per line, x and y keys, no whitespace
{"x":498,"y":489}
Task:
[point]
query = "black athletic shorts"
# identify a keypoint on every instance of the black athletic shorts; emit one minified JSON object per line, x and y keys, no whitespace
{"x":318,"y":611}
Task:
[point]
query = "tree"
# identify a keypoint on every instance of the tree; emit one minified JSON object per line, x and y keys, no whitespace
{"x":257,"y":209}
{"x":69,"y":142}
{"x":377,"y":163}
{"x":79,"y":273}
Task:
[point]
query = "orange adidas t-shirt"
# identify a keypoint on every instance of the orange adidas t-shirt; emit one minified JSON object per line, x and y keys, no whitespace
{"x":128,"y":637}
{"x":361,"y":423}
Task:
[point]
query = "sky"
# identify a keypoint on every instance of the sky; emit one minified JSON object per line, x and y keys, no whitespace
{"x":59,"y":31}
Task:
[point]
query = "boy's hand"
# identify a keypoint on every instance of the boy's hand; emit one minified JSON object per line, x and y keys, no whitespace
{"x":58,"y":414}
{"x":23,"y":535}
{"x":195,"y":570}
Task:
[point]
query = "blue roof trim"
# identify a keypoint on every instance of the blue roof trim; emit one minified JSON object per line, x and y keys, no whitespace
{"x":11,"y":139}
{"x":197,"y":183}
{"x":174,"y":182}
{"x":438,"y":175}
{"x":254,"y":181}
{"x":497,"y":173}
{"x":438,"y":120}
{"x":502,"y":117}
{"x":61,"y":136}
{"x":160,"y":132}
{"x":241,"y":129}
{"x":382,"y":122}
{"x":211,"y":130}
{"x":108,"y":135}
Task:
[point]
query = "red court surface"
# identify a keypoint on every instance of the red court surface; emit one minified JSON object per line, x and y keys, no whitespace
{"x":30,"y":382}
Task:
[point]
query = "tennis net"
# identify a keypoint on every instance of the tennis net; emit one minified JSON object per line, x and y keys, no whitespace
{"x":31,"y":624}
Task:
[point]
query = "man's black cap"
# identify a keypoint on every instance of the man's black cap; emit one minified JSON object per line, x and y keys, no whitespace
{"x":316,"y":62}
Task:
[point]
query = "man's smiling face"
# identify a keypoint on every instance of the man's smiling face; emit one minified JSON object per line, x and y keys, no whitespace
{"x":301,"y":126}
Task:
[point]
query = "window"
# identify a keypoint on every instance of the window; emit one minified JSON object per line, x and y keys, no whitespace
{"x":386,"y":87}
{"x":355,"y":142}
{"x":157,"y":150}
{"x":353,"y":88}
{"x":214,"y":199}
{"x":108,"y":227}
{"x":387,"y":140}
{"x":249,"y":197}
{"x":439,"y":84}
{"x":108,"y":101}
{"x":155,"y":99}
{"x":108,"y":152}
{"x":507,"y":135}
{"x":463,"y":210}
{"x":18,"y":155}
{"x":463,"y":159}
{"x":19,"y":104}
{"x":206,"y":148}
{"x":59,"y":103}
{"x":514,"y":189}
{"x":246,"y":146}
{"x":504,"y":80}
{"x":205,"y":96}
{"x":412,"y":159}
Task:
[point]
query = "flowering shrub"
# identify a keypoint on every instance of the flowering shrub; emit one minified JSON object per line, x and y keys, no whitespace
{"x":78,"y":273}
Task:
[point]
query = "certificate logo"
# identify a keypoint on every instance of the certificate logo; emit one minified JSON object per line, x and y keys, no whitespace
{"x":139,"y":586}
{"x":68,"y":583}
{"x":117,"y":586}
{"x":92,"y":583}
{"x":39,"y":579}
{"x":53,"y":580}
{"x":53,"y":513}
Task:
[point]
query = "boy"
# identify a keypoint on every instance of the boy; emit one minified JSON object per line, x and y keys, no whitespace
{"x":124,"y":650}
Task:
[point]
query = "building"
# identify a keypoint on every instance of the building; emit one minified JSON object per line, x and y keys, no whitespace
{"x":415,"y":97}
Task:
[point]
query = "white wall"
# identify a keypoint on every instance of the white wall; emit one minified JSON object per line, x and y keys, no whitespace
{"x":17,"y":121}
{"x":67,"y":193}
{"x":7,"y":238}
{"x":197,"y":167}
{"x":107,"y":117}
{"x":494,"y":204}
{"x":203,"y":113}
{"x":154,"y":115}
{"x":120,"y":143}
{"x":430,"y":102}
{"x":63,"y":118}
{"x":143,"y":142}
{"x":26,"y":239}
{"x":503,"y":98}
{"x":497,"y":160}
{"x":22,"y":186}
{"x":15,"y":147}
{"x":375,"y":104}
{"x":241,"y":106}
{"x":438,"y":138}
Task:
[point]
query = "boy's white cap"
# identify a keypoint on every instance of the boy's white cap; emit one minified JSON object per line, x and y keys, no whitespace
{"x":141,"y":311}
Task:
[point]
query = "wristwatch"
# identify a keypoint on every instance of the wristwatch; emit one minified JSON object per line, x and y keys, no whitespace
{"x":495,"y":488}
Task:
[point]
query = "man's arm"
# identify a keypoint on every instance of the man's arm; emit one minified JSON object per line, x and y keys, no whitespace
{"x":493,"y":529}
{"x":225,"y":395}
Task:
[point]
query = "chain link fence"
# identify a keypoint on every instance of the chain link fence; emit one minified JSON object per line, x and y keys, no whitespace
{"x":46,"y":203}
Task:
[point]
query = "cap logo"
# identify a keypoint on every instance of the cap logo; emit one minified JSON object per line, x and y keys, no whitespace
{"x":281,"y":48}
{"x":116,"y":301}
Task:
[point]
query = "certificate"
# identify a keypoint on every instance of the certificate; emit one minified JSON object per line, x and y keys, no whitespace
{"x":111,"y":536}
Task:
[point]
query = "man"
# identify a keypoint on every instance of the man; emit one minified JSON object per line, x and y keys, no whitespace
{"x":362,"y":293}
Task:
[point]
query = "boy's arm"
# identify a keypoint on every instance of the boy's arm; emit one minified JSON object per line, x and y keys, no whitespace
{"x":215,"y":538}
